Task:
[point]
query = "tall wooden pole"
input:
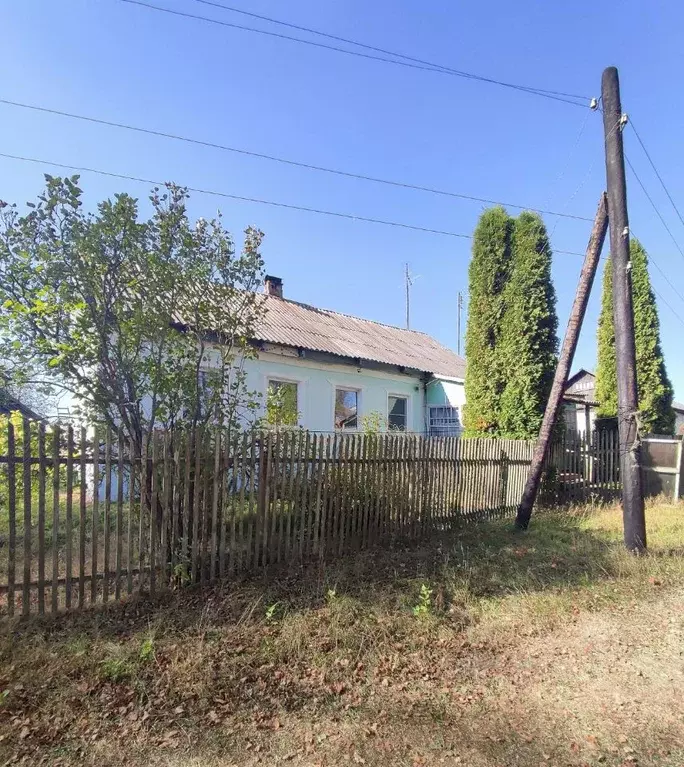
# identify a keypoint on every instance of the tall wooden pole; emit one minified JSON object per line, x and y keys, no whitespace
{"x":634,"y":521}
{"x":579,"y":307}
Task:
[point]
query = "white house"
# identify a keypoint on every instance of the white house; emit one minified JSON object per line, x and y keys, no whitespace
{"x":343,"y":370}
{"x":580,"y":403}
{"x":678,"y":408}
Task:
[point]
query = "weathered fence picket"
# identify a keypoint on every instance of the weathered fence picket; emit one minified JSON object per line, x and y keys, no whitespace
{"x":42,"y":462}
{"x":191,"y":507}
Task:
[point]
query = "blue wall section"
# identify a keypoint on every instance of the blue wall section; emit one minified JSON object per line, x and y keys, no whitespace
{"x":446,"y":392}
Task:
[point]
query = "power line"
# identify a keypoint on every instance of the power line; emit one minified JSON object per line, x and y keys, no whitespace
{"x":664,"y":223}
{"x":566,"y":164}
{"x":397,"y":62}
{"x":667,"y":280}
{"x":242,"y":198}
{"x":663,"y":273}
{"x":655,"y":170}
{"x":654,"y":206}
{"x":669,"y":306}
{"x":445,"y":69}
{"x":285,"y":161}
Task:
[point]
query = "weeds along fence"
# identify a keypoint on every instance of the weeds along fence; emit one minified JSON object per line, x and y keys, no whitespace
{"x":87,"y":517}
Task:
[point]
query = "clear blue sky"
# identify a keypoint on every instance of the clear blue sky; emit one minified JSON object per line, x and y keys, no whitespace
{"x":124,"y":63}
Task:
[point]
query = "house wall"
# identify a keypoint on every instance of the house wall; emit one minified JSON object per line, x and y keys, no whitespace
{"x":679,"y":422}
{"x":443,"y":391}
{"x":575,"y":417}
{"x":317,"y":382}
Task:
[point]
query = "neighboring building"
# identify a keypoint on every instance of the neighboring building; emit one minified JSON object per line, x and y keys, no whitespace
{"x":10,"y":404}
{"x":343,"y":371}
{"x":679,"y":417}
{"x":580,"y":403}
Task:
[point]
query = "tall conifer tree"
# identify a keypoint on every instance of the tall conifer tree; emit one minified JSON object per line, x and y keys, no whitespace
{"x":529,"y":342}
{"x":655,"y":389}
{"x":488,"y":274}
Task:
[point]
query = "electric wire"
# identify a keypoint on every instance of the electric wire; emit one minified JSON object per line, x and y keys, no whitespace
{"x":654,"y":206}
{"x":450,"y":70}
{"x":373,"y":57}
{"x":286,"y":161}
{"x":655,"y":170}
{"x":242,"y":198}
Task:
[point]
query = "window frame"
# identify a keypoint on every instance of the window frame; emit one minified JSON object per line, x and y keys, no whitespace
{"x":299,"y":383}
{"x":447,"y":430}
{"x":343,"y":387}
{"x":407,"y":411}
{"x":203,"y":388}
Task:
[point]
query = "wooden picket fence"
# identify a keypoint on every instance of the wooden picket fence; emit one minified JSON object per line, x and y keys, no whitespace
{"x":96,"y":518}
{"x":582,"y":467}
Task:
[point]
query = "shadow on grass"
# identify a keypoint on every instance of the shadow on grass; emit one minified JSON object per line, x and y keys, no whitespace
{"x":476,"y":561}
{"x":340,"y":641}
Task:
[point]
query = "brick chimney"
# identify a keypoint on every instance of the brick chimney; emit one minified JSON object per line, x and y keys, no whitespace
{"x":273,"y":285}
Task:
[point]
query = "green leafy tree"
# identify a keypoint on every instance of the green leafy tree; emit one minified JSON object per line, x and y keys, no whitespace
{"x":655,"y":389}
{"x":528,"y":343}
{"x":488,"y":274}
{"x":145,"y":321}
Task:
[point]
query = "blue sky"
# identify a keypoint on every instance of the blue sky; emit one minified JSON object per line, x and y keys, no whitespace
{"x":124,"y":63}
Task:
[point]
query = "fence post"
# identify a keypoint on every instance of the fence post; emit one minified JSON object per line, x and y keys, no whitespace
{"x":107,"y":512}
{"x":81,"y":518}
{"x":68,"y":519}
{"x":42,"y":464}
{"x":26,"y":463}
{"x":12,"y":508}
{"x":55,"y":516}
{"x":95,"y":516}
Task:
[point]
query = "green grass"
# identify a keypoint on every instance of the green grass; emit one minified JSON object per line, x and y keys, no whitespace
{"x":487,"y":647}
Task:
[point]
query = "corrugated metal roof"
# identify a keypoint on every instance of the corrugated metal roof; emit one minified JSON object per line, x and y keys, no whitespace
{"x":307,"y":327}
{"x":678,"y":406}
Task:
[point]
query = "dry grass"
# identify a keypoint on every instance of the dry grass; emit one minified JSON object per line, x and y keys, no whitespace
{"x":490,"y":648}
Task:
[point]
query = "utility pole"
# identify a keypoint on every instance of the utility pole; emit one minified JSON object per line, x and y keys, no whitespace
{"x":458,"y":324}
{"x":634,"y":521}
{"x":579,"y":308}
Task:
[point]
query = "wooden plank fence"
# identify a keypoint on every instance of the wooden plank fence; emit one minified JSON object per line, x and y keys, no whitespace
{"x":87,"y":518}
{"x":582,"y":468}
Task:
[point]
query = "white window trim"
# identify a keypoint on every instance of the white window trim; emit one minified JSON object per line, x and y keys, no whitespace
{"x":335,"y":385}
{"x":457,"y":408}
{"x":409,"y":410}
{"x":302,"y":388}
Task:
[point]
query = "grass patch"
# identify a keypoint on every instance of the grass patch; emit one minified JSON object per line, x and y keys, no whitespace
{"x":488,"y":647}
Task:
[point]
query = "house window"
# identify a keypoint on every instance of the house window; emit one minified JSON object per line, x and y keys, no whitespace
{"x":445,"y":421}
{"x":397,"y":413}
{"x":346,"y":408}
{"x":282,"y":403}
{"x":206,"y":391}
